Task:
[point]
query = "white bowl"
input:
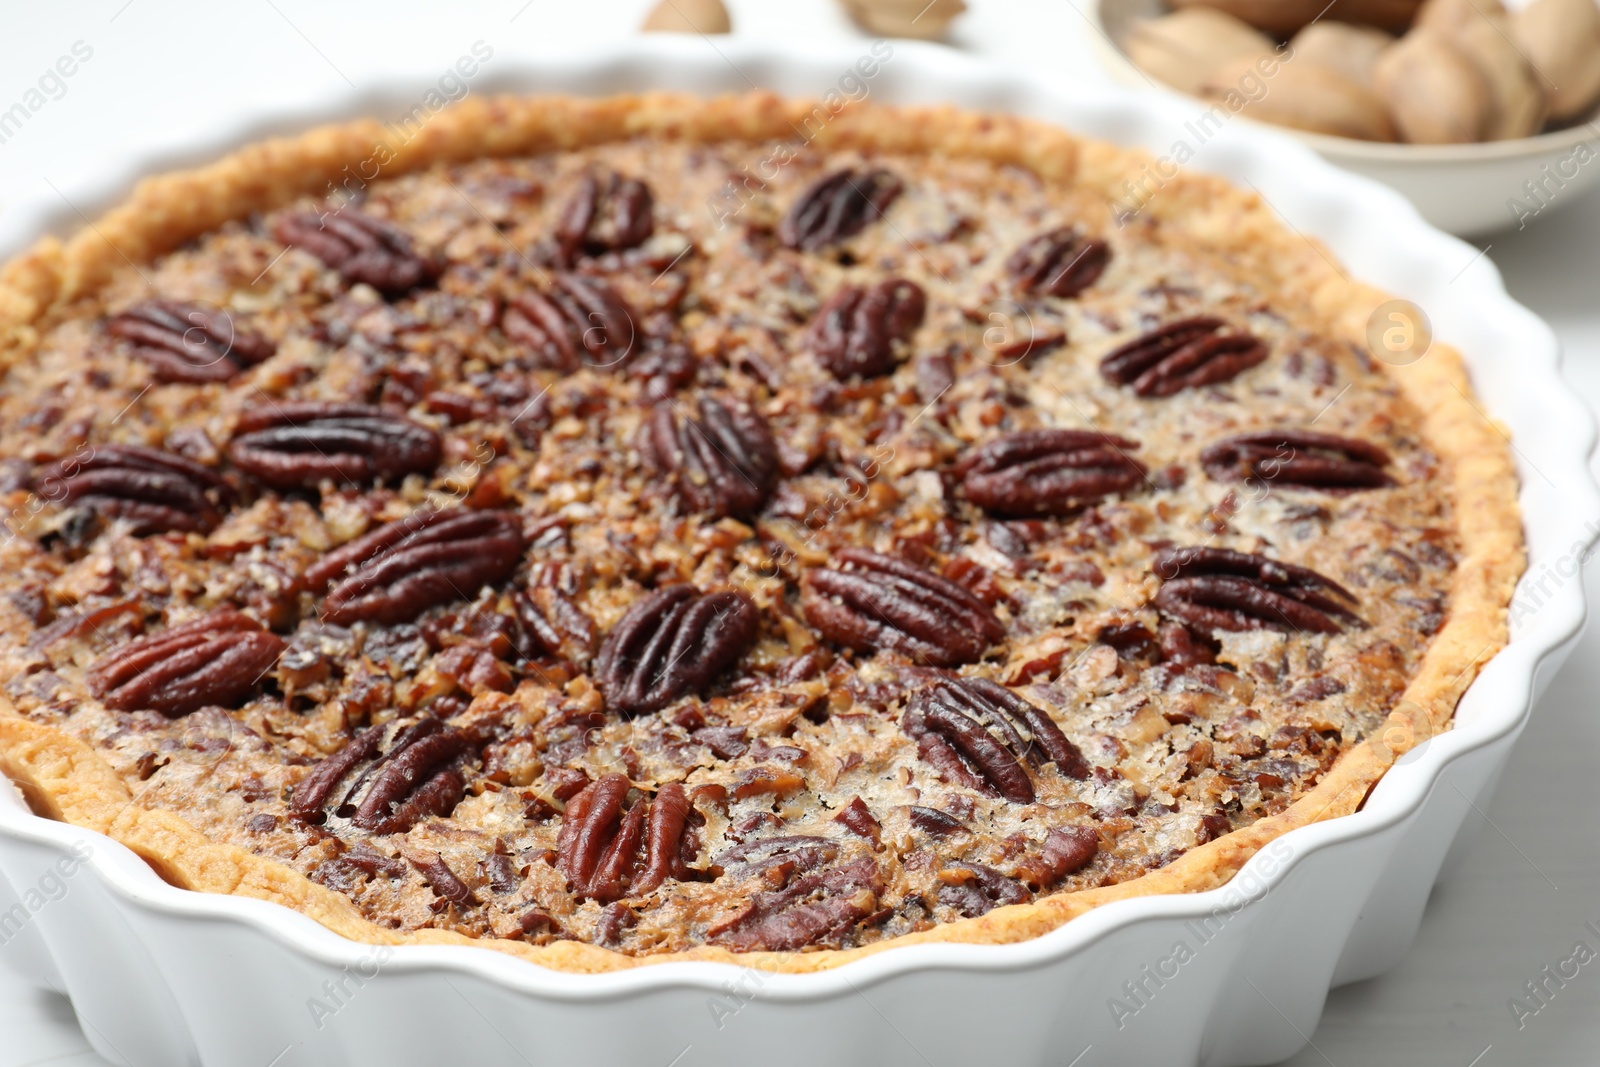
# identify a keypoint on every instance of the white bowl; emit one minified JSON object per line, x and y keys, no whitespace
{"x":162,"y":977}
{"x":1465,"y":189}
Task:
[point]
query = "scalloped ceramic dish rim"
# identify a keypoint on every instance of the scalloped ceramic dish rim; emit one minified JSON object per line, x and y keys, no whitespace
{"x":1384,"y":152}
{"x":1495,"y":705}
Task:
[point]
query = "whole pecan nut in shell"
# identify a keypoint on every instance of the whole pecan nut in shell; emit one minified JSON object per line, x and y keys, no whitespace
{"x":360,"y":247}
{"x":856,"y":332}
{"x":301,"y":443}
{"x":838,"y":206}
{"x":216,"y":659}
{"x":151,"y":490}
{"x":722,"y":463}
{"x":1298,"y":457}
{"x":1183,"y":355}
{"x":576,"y":321}
{"x":1217,"y":589}
{"x":1036,"y":473}
{"x":1060,"y":262}
{"x":673,"y":643}
{"x":875,"y":602}
{"x":396,"y":572}
{"x":983,"y":736}
{"x":608,"y":853}
{"x":191,"y":343}
{"x":608,"y":212}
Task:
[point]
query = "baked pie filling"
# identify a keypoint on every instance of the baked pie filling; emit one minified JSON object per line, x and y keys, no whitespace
{"x":550,"y":548}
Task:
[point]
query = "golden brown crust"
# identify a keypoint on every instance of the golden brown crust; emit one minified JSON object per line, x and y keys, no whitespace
{"x":66,"y":779}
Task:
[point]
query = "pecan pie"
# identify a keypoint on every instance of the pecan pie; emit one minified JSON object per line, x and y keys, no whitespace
{"x":570,"y":542}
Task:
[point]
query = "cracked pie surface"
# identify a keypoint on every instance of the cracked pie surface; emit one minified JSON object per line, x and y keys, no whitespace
{"x":570,"y":543}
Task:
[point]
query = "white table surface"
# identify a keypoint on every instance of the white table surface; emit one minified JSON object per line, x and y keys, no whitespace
{"x":1522,"y":896}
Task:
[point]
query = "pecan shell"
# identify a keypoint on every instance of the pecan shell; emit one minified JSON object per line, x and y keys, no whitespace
{"x":151,"y":490}
{"x":838,"y":206}
{"x":673,"y":643}
{"x":875,"y":602}
{"x":1183,"y":355}
{"x":607,"y":853}
{"x":984,"y":736}
{"x":857,"y":331}
{"x":215,"y":660}
{"x":607,"y":213}
{"x":1036,"y":473}
{"x":299,"y":444}
{"x":1060,"y":262}
{"x":578,"y":321}
{"x":398,"y":571}
{"x":1298,"y":457}
{"x":723,"y":463}
{"x":1218,"y":589}
{"x":188,"y":342}
{"x":362,"y":248}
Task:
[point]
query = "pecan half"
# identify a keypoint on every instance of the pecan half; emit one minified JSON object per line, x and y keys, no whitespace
{"x":361,"y":248}
{"x":819,"y":907}
{"x":188,"y":342}
{"x":857,"y":330}
{"x":607,"y":213}
{"x":723,"y":463}
{"x":838,"y":206}
{"x":1217,"y":589}
{"x":1183,"y":355}
{"x":578,"y":321}
{"x":398,"y":571}
{"x":607,"y":853}
{"x":974,"y":889}
{"x":442,"y":880}
{"x":416,"y":776}
{"x":1060,"y":262}
{"x":673,"y":643}
{"x":213,"y":660}
{"x":986,"y":737}
{"x":300,"y":443}
{"x":151,"y":490}
{"x":1048,"y":472}
{"x":1298,"y":457}
{"x":876,"y":602}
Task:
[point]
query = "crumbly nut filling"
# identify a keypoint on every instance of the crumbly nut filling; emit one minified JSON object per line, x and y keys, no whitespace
{"x":549,"y":548}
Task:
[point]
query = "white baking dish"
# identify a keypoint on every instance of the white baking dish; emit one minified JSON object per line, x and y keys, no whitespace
{"x":164,"y":977}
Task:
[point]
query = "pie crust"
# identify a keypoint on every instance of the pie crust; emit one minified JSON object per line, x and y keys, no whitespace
{"x":64,"y":778}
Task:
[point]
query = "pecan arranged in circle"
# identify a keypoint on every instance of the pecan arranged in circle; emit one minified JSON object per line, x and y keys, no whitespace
{"x":1218,"y":589}
{"x":607,"y":213}
{"x":1298,"y":457}
{"x":838,"y":206}
{"x":723,"y":463}
{"x":1183,"y":355}
{"x":188,"y":342}
{"x":398,"y":571}
{"x":818,"y":907}
{"x":1060,"y":262}
{"x":417,"y":775}
{"x":1035,"y":473}
{"x":216,"y":659}
{"x":983,"y":736}
{"x":876,"y":602}
{"x":298,"y":444}
{"x":151,"y":490}
{"x":607,"y":853}
{"x":362,"y":248}
{"x":858,"y":330}
{"x":578,"y":321}
{"x":671,"y":644}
